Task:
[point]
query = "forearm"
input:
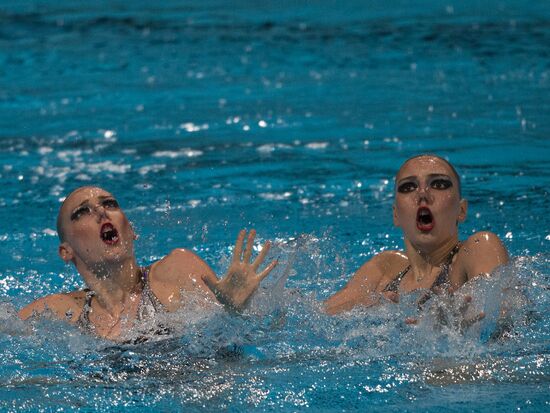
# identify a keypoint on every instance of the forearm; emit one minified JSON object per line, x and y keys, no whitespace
{"x":346,"y":300}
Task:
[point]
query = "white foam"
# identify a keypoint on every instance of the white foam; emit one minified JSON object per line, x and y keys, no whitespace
{"x":191,"y":127}
{"x":271,"y":196}
{"x":64,"y":155}
{"x":185,"y":152}
{"x":192,"y":153}
{"x":44,"y":150}
{"x":271,"y":147}
{"x":194,"y":203}
{"x":317,"y":145}
{"x":144,"y":170}
{"x":108,"y":134}
{"x":267,"y":148}
{"x":106,"y":166}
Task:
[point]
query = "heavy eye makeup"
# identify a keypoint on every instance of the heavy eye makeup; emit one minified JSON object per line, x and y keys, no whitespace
{"x":81,"y":210}
{"x":110,"y":203}
{"x":407,"y":187}
{"x":441,"y":183}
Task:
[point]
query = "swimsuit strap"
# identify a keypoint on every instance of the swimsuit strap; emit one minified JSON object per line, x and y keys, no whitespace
{"x":148,"y":306}
{"x":145,"y":274}
{"x":149,"y":303}
{"x":442,"y":278}
{"x":84,"y":319}
{"x":393,"y":286}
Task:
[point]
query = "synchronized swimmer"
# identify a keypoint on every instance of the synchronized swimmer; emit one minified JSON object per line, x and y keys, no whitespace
{"x":428,"y":208}
{"x":98,"y":239}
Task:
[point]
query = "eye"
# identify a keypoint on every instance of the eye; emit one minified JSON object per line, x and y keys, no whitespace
{"x":110,"y":203}
{"x":441,"y":183}
{"x":76,"y":214}
{"x":406,"y":187}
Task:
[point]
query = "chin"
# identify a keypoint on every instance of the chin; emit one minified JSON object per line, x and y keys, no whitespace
{"x":430,"y":241}
{"x":117,"y":254}
{"x":425,"y":240}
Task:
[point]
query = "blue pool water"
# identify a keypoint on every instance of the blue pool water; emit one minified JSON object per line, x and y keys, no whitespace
{"x":208,"y":116}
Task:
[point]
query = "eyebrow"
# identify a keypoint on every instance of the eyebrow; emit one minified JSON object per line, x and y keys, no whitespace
{"x":412,"y":177}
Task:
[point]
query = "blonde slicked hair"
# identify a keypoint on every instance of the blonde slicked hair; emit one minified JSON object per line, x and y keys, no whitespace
{"x":59,"y":221}
{"x":445,"y":161}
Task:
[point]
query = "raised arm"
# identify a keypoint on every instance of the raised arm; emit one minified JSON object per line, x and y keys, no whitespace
{"x":182,"y":270}
{"x":243,"y":276}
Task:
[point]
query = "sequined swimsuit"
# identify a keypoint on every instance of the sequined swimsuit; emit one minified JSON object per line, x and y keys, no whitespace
{"x":148,"y":306}
{"x":442,"y":278}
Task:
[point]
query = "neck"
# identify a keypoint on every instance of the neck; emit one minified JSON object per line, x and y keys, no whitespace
{"x":113,"y":284}
{"x":423,"y":261}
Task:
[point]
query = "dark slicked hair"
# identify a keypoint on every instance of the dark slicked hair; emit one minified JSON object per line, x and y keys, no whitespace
{"x":445,"y":161}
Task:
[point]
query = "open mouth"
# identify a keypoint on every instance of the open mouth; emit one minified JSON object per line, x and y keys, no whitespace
{"x":424,"y":219}
{"x":109,"y":234}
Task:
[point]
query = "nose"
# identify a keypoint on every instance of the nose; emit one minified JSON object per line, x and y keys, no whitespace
{"x":100,"y":212}
{"x":424,"y":194}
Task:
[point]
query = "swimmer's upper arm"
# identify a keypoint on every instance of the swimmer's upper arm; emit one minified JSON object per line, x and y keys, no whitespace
{"x":181,"y":269}
{"x":364,"y":281}
{"x":484,"y":251}
{"x":59,"y":305}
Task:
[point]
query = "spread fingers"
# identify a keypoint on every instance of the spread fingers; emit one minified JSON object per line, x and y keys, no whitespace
{"x":239,"y":246}
{"x":261,"y":256}
{"x":249,"y":245}
{"x":267,"y":270}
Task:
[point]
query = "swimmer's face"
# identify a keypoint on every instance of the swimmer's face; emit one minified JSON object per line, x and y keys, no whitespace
{"x":95,"y":229}
{"x":427,"y":201}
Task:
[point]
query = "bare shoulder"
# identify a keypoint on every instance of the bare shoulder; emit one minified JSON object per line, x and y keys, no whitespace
{"x":482,"y":252}
{"x":67,"y":306}
{"x":181,"y":270}
{"x":483,"y":242}
{"x":384,"y":262}
{"x":180,"y":263}
{"x":379,"y":267}
{"x":364,"y":282}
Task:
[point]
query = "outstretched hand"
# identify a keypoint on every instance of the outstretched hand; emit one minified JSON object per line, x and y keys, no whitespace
{"x":242,"y":279}
{"x":466,"y":322}
{"x":459,"y":320}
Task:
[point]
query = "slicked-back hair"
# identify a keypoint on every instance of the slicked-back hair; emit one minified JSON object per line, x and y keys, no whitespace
{"x":445,"y":161}
{"x":59,"y":222}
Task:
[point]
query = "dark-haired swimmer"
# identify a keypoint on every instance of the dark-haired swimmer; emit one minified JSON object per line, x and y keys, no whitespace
{"x":428,"y":208}
{"x":98,"y":239}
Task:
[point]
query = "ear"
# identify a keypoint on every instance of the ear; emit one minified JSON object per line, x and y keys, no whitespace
{"x":462,"y":210}
{"x":65,"y":252}
{"x":395,"y":217}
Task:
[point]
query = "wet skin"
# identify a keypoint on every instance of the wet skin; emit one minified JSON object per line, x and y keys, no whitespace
{"x":99,"y":240}
{"x":428,"y":209}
